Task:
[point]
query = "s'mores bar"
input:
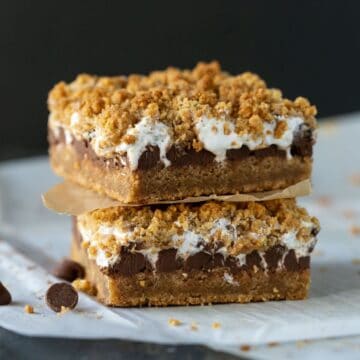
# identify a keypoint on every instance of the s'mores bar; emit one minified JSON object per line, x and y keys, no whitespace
{"x":196,"y":253}
{"x":179,"y":133}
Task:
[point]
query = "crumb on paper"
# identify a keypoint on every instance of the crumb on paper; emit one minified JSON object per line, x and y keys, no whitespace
{"x":355,"y":230}
{"x":63,"y":310}
{"x":355,"y":179}
{"x":349,"y":214}
{"x":273,"y":344}
{"x":317,"y":253}
{"x":193,"y":326}
{"x":323,"y":268}
{"x":174,"y":322}
{"x":328,"y":127}
{"x":28,"y":309}
{"x":245,"y":347}
{"x":301,"y":343}
{"x":216,"y":325}
{"x":84,"y":286}
{"x":324,"y":200}
{"x":355,"y":261}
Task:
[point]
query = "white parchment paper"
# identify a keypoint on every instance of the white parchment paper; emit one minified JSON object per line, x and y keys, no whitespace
{"x":32,"y":239}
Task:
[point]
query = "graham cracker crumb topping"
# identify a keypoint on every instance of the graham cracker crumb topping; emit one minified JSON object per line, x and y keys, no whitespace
{"x":178,"y":98}
{"x":240,"y":227}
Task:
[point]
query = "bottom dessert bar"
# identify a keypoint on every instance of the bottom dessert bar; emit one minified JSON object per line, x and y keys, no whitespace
{"x":197,"y":254}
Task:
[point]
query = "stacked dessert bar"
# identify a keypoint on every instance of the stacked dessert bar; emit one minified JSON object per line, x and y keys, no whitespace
{"x":176,"y":134}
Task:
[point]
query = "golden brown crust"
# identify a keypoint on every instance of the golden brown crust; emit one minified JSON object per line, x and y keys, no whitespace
{"x":258,"y":225}
{"x":175,"y":97}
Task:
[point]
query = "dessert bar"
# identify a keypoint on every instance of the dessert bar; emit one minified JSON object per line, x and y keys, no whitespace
{"x":179,"y":133}
{"x":196,"y":254}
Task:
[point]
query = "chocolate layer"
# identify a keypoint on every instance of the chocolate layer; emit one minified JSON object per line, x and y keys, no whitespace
{"x":302,"y":146}
{"x":132,"y":262}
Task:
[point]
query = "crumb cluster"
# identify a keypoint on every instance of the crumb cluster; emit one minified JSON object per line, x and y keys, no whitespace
{"x":28,"y":309}
{"x":84,"y":286}
{"x":216,"y":325}
{"x":178,"y":98}
{"x":241,"y":227}
{"x":174,"y":322}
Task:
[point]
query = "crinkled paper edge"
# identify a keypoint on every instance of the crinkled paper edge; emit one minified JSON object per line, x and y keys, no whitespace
{"x":69,"y":198}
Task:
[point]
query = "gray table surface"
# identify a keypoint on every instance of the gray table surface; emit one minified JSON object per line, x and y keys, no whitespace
{"x":14,"y":346}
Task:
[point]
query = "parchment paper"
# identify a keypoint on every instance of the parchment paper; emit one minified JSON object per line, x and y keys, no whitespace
{"x":72,"y":199}
{"x":33,"y":238}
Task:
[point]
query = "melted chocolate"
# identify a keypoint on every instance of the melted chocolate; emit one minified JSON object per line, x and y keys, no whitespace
{"x":132,"y":262}
{"x":301,"y":146}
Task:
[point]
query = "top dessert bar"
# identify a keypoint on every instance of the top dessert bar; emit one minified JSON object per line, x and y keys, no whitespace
{"x":179,"y":133}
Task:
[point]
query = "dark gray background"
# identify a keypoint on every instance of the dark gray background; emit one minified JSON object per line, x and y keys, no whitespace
{"x":309,"y":48}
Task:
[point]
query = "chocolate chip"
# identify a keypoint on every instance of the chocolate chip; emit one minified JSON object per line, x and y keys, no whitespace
{"x":68,"y":270}
{"x":5,"y":297}
{"x":61,"y":295}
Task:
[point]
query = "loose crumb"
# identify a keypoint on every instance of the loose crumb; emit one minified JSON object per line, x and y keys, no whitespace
{"x":317,"y":253}
{"x":245,"y":347}
{"x":142,"y":283}
{"x":329,"y":127}
{"x":355,"y":261}
{"x":273,"y":344}
{"x":63,"y":310}
{"x":355,"y":179}
{"x":355,"y":230}
{"x":84,"y":286}
{"x":174,"y":322}
{"x":28,"y":309}
{"x":324,"y":201}
{"x":323,"y":268}
{"x":349,"y":214}
{"x":193,"y":326}
{"x":216,"y":325}
{"x":301,"y":343}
